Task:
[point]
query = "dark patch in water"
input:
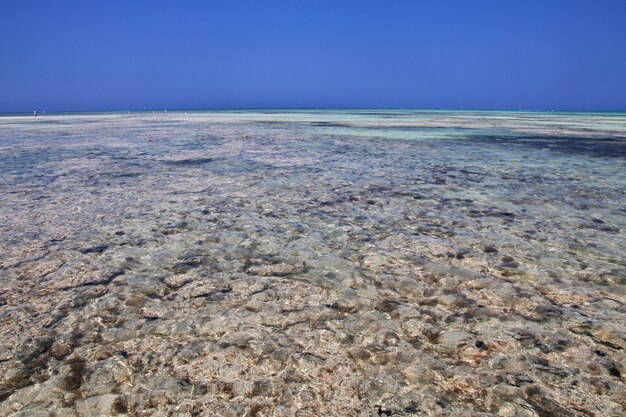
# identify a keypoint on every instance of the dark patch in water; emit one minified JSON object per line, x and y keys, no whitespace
{"x":94,"y":249}
{"x":331,"y":124}
{"x":121,"y":174}
{"x":592,"y":146}
{"x":74,"y":379}
{"x":222,"y":165}
{"x":190,"y":161}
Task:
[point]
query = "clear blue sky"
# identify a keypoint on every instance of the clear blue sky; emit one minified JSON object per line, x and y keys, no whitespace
{"x":87,"y":55}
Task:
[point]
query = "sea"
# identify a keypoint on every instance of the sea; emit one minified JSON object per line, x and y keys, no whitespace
{"x":313,"y":262}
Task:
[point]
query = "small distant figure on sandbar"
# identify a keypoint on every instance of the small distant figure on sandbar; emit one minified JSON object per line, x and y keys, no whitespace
{"x":35,"y":113}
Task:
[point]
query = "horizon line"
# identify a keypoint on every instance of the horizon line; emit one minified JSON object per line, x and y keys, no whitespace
{"x":179,"y":110}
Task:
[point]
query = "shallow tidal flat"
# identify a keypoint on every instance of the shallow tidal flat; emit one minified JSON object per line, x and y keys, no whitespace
{"x":347,"y":263}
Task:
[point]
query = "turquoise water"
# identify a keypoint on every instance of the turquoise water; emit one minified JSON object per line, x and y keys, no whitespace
{"x":383,"y":244}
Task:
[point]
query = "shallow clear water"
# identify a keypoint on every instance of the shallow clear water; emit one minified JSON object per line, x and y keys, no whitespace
{"x":332,"y":262}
